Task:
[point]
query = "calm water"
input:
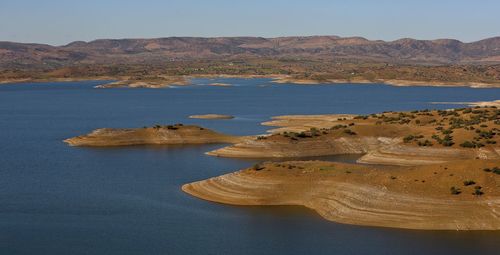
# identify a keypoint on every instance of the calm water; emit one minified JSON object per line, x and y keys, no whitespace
{"x":55,"y":199}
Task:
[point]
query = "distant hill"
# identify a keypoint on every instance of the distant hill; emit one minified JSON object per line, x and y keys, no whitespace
{"x":160,"y":50}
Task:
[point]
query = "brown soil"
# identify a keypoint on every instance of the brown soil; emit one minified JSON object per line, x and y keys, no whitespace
{"x":402,"y":197}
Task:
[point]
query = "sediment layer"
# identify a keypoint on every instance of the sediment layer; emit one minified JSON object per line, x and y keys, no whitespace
{"x":401,"y":197}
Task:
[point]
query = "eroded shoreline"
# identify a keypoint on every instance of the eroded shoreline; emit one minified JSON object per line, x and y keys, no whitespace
{"x":426,"y":169}
{"x":411,"y":198}
{"x":168,"y":81}
{"x":433,"y":170}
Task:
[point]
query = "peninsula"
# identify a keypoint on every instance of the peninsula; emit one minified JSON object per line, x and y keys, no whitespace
{"x":427,"y":169}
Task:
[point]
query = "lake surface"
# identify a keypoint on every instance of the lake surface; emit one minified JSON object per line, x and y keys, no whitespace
{"x":55,"y":199}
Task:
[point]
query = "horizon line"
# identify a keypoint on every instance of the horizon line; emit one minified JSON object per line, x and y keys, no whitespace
{"x":249,"y":36}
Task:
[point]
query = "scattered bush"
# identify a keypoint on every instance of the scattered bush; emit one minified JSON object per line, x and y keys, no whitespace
{"x":455,"y":191}
{"x":349,"y":132}
{"x":469,"y":144}
{"x":258,"y":167}
{"x":469,"y":182}
{"x":496,"y":170}
{"x":425,"y":143}
{"x":478,"y":191}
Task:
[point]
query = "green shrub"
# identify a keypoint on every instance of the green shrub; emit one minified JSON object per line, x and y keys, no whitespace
{"x":258,"y":167}
{"x":469,"y":182}
{"x":455,"y":191}
{"x":408,"y":138}
{"x":496,"y":170}
{"x":425,"y":143}
{"x":468,"y":144}
{"x":349,"y":132}
{"x":478,"y":191}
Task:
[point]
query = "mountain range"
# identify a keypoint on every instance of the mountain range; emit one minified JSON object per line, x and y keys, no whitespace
{"x":325,"y":48}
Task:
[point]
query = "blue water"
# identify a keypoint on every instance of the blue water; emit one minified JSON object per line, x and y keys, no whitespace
{"x":56,"y":199}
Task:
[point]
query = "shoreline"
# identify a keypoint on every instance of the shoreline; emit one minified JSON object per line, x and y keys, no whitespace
{"x":361,"y":195}
{"x":390,"y":82}
{"x":278,"y":79}
{"x":413,"y":174}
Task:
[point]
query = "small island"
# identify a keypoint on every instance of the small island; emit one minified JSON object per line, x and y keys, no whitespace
{"x":154,"y":82}
{"x":212,"y":117}
{"x":156,"y":135}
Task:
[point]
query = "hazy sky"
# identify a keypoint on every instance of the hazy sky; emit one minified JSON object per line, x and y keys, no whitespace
{"x":61,"y":21}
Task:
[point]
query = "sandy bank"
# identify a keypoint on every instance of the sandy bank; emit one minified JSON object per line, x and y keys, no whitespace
{"x":396,"y":138}
{"x":212,"y":117}
{"x":219,"y":84}
{"x":152,"y":83}
{"x":393,"y":82}
{"x":399,"y":197}
{"x":167,"y":81}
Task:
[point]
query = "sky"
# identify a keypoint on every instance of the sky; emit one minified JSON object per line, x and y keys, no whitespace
{"x":59,"y":22}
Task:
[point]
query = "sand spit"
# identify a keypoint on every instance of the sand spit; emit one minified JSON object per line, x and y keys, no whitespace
{"x":393,"y":82}
{"x":220,"y":84}
{"x":152,"y":83}
{"x":398,"y":197}
{"x":158,"y":135}
{"x":396,"y":138}
{"x":299,"y":123}
{"x":495,"y":103}
{"x":212,"y":117}
{"x":168,"y":81}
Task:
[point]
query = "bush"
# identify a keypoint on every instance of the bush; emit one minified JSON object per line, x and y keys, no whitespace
{"x":468,"y":144}
{"x":303,"y":135}
{"x":349,"y":132}
{"x":314,"y":132}
{"x":447,"y":131}
{"x":496,"y":170}
{"x":425,"y":143}
{"x":455,"y":191}
{"x":469,"y":182}
{"x":478,"y":191}
{"x":258,"y":167}
{"x":408,"y":138}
